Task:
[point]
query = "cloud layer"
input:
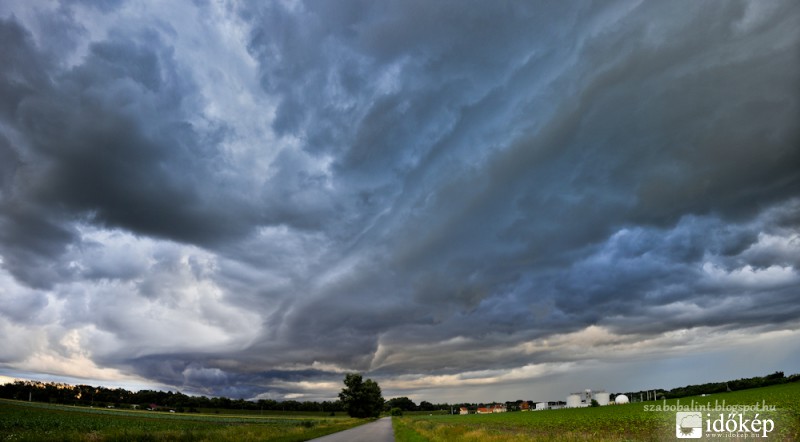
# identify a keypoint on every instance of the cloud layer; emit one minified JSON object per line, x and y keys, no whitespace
{"x":251,"y":199}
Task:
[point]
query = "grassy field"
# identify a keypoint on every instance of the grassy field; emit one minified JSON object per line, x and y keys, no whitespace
{"x":24,"y":421}
{"x":609,"y":423}
{"x":272,"y":413}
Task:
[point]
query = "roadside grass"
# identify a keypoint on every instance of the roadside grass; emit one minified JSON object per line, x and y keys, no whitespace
{"x":609,"y":423}
{"x":404,"y":431}
{"x":36,"y":422}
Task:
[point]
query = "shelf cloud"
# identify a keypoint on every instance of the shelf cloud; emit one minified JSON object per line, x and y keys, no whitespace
{"x":458,"y":198}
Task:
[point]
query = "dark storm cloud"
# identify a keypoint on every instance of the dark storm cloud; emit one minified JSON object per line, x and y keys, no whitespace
{"x":681,"y":126}
{"x":122,"y":151}
{"x":414,"y":188}
{"x":109,"y":140}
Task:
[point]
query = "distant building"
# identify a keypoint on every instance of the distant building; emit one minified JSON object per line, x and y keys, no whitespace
{"x":574,"y":401}
{"x":499,"y":408}
{"x":463,"y":410}
{"x":584,"y":398}
{"x":494,"y":408}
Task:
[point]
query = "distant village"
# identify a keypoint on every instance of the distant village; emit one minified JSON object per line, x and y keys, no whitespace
{"x":599,"y":398}
{"x":586,"y":398}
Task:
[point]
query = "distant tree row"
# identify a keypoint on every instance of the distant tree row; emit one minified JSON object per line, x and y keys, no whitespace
{"x":357,"y":391}
{"x":717,"y":387}
{"x":406,"y":404}
{"x":86,"y":395}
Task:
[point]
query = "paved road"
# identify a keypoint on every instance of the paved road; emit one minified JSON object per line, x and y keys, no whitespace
{"x":378,"y":431}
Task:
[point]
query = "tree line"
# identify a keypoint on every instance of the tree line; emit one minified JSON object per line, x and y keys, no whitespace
{"x":87,"y":395}
{"x":361,"y":398}
{"x":775,"y":378}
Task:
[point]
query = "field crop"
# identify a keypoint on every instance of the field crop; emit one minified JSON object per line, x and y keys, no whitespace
{"x":609,"y":423}
{"x":23,"y":421}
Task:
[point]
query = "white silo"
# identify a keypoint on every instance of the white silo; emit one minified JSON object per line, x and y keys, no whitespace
{"x":574,"y":400}
{"x":621,"y":399}
{"x":601,"y":397}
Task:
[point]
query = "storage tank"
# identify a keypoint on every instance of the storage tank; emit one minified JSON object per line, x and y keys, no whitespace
{"x":621,"y":399}
{"x":574,"y":400}
{"x":601,"y":398}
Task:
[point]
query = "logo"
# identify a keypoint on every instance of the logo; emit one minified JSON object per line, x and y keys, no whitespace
{"x":688,"y":425}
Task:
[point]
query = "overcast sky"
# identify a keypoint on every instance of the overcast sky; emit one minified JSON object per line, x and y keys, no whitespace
{"x":465,"y":201}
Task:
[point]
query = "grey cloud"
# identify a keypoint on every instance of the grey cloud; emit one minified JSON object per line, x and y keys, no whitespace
{"x":103,"y":5}
{"x":25,"y":71}
{"x":109,"y":140}
{"x":448,"y":181}
{"x":29,"y":240}
{"x":23,"y":306}
{"x":124,"y":168}
{"x":650,"y":135}
{"x":113,"y":264}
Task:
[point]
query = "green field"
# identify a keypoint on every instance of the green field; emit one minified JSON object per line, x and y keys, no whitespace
{"x":24,"y":421}
{"x":31,"y":421}
{"x":609,"y":423}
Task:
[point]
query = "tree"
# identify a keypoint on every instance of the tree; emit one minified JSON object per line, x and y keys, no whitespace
{"x":426,"y":406}
{"x":361,"y":398}
{"x":402,"y":403}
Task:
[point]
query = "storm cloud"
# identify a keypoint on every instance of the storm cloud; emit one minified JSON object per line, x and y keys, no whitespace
{"x":252,"y":199}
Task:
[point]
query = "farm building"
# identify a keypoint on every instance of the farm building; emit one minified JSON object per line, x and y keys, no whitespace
{"x":574,"y":401}
{"x":584,"y":398}
{"x":494,"y":408}
{"x":621,"y":399}
{"x":499,"y":408}
{"x":551,"y":405}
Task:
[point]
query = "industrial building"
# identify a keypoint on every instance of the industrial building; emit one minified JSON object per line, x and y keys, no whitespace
{"x":551,"y":405}
{"x":584,"y":398}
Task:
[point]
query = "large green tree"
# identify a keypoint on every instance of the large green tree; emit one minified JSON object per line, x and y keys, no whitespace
{"x":361,"y":398}
{"x":402,"y":403}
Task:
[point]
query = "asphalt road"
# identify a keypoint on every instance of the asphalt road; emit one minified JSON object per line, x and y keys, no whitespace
{"x":378,"y":431}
